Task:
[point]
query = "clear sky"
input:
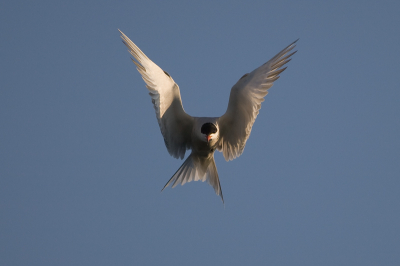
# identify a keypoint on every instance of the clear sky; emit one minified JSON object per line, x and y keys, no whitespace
{"x":82,"y":160}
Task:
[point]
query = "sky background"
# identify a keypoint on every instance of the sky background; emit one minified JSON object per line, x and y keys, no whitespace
{"x":82,"y":160}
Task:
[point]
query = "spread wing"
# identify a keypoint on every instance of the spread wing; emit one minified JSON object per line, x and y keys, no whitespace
{"x":175,"y":124}
{"x":245,"y":102}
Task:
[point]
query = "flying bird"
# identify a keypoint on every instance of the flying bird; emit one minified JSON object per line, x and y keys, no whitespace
{"x":204,"y":135}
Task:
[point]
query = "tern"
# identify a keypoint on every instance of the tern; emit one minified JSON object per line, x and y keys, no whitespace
{"x":204,"y":135}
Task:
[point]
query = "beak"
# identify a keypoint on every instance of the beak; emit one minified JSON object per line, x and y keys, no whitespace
{"x":208,"y":138}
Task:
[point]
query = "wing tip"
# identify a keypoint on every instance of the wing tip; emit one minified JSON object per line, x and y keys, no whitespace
{"x":290,"y":47}
{"x":293,"y":43}
{"x":123,"y":36}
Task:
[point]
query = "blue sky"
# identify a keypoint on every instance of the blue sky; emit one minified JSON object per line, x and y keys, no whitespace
{"x":82,"y":160}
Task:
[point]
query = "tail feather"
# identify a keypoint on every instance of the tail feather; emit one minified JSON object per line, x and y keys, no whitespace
{"x":213,"y":178}
{"x":196,"y":168}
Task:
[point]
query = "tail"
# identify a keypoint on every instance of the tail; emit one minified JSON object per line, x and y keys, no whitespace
{"x":197,"y":168}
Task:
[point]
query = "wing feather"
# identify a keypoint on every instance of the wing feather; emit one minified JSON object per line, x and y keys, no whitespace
{"x":175,"y":124}
{"x":245,"y":102}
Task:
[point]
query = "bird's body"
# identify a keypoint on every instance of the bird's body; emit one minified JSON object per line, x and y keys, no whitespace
{"x":203,"y":135}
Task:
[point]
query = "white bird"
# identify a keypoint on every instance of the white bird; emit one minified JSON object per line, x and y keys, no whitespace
{"x":203,"y":135}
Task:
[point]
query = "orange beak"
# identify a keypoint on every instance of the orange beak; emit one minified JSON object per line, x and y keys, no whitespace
{"x":208,"y":138}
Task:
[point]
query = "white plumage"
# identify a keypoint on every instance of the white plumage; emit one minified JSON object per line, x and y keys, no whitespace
{"x":203,"y":135}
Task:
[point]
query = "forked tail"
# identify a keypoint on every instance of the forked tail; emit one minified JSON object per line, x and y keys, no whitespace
{"x":197,"y":168}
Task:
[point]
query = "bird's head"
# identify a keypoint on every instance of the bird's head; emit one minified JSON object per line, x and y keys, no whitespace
{"x":209,"y":131}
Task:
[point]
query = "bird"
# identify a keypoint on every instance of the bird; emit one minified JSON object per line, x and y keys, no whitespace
{"x":204,"y":135}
